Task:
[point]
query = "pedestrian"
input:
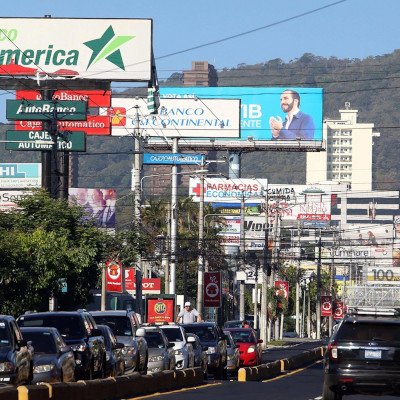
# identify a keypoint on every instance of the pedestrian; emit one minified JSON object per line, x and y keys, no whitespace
{"x":245,"y":324}
{"x":188,"y":315}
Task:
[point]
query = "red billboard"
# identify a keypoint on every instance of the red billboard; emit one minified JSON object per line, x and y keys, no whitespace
{"x":338,"y":309}
{"x":94,"y":124}
{"x":212,"y":289}
{"x":113,"y":276}
{"x":326,"y":306}
{"x":149,"y":285}
{"x":282,"y":289}
{"x":160,"y":310}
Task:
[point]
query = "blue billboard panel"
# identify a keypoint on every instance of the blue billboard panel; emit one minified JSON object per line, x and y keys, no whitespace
{"x":173,"y":158}
{"x":279,"y":114}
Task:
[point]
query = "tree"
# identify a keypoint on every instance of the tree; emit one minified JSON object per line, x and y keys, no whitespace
{"x":42,"y":242}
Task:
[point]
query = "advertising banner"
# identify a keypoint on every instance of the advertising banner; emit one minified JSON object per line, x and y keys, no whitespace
{"x":267,"y":113}
{"x":149,"y":285}
{"x":282,"y":289}
{"x":174,"y":159}
{"x":9,"y":198}
{"x":20,"y":175}
{"x":94,"y":124}
{"x":160,"y":310}
{"x":110,"y":49}
{"x":99,"y":204}
{"x":212,"y":289}
{"x":113,"y":276}
{"x":338,"y":309}
{"x":326,"y":306}
{"x":186,"y":118}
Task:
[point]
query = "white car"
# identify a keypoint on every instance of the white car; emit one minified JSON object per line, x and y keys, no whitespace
{"x":184,"y":354}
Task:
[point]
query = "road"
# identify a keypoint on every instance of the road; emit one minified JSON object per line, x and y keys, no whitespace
{"x":304,"y":384}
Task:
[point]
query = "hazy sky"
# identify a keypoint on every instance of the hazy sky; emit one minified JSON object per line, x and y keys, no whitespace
{"x":259,"y":30}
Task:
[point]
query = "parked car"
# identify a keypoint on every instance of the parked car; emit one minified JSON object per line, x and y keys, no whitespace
{"x":362,"y":355}
{"x":200,"y":353}
{"x":250,"y":351}
{"x":184,"y":354}
{"x":212,"y":337}
{"x":161,"y":353}
{"x":127,"y":330}
{"x":233,"y":353}
{"x":78,"y":332}
{"x":115,"y":363}
{"x":233,"y":324}
{"x":16,"y":358}
{"x":53,"y":359}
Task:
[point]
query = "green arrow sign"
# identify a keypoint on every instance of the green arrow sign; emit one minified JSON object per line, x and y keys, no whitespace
{"x":44,"y":110}
{"x":41,"y":140}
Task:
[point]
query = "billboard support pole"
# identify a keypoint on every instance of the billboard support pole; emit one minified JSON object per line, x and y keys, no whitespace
{"x":200,"y":270}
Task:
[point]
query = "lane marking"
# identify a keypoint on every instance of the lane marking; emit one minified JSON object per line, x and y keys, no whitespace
{"x":292,"y":372}
{"x":149,"y":396}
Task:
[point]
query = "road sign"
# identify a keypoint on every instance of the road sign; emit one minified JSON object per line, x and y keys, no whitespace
{"x":326,"y":306}
{"x":113,"y":276}
{"x":212,"y":289}
{"x":43,"y":110}
{"x":338,"y":309}
{"x":173,"y":158}
{"x":32,"y":140}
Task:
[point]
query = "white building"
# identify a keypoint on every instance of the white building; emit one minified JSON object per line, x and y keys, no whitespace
{"x":348,"y":155}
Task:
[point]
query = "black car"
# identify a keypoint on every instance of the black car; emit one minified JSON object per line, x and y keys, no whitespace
{"x":363,"y":356}
{"x":53,"y":360}
{"x":80,"y":333}
{"x":212,"y":337}
{"x":115,"y":365}
{"x":16,"y":358}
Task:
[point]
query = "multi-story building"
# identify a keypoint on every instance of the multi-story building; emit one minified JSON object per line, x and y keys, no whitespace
{"x":348,"y":155}
{"x":201,"y":74}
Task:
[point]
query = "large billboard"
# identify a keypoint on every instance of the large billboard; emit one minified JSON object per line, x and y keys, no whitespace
{"x":99,"y":204}
{"x":268,"y":114}
{"x":110,"y":49}
{"x":186,"y":118}
{"x":20,"y":175}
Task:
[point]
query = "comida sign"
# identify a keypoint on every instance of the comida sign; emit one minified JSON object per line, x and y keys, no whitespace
{"x":110,"y":49}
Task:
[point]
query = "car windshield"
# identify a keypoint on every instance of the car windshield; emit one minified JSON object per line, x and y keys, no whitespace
{"x":243,"y":336}
{"x":42,"y":342}
{"x":119,"y":324}
{"x":205,"y":333}
{"x":4,"y":335}
{"x":154,"y":340}
{"x":70,"y":326}
{"x":233,"y":324}
{"x":173,"y":334}
{"x":369,"y":331}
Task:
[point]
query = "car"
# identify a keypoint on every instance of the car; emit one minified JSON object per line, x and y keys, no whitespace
{"x":290,"y":334}
{"x":16,"y":357}
{"x":236,"y":323}
{"x":80,"y":333}
{"x":212,"y":337}
{"x":362,"y":355}
{"x":250,"y":352}
{"x":184,"y":354}
{"x":126,"y":327}
{"x":233,"y":354}
{"x":53,"y":360}
{"x":115,"y":363}
{"x":161,"y":353}
{"x":200,"y":353}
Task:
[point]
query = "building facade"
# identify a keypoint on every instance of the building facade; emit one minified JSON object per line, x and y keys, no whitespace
{"x":348,"y":155}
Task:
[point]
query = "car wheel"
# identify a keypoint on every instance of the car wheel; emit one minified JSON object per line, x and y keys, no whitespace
{"x":329,"y":394}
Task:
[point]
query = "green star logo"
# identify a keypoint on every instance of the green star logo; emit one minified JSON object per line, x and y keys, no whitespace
{"x":107,"y":46}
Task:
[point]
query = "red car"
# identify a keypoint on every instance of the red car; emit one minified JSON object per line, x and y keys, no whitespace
{"x":249,"y":346}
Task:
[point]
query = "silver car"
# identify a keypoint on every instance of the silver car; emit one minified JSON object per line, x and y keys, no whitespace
{"x":161,"y":353}
{"x":232,"y":351}
{"x":200,"y":353}
{"x":184,"y":354}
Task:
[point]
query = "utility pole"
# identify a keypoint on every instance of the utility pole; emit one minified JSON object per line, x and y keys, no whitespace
{"x":243,"y":259}
{"x":174,"y":219}
{"x":331,"y":281}
{"x":298,"y":281}
{"x":264,"y":276}
{"x":200,"y":247}
{"x":318,"y":304}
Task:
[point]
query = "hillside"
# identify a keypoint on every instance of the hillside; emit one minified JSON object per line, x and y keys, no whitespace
{"x":371,"y":85}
